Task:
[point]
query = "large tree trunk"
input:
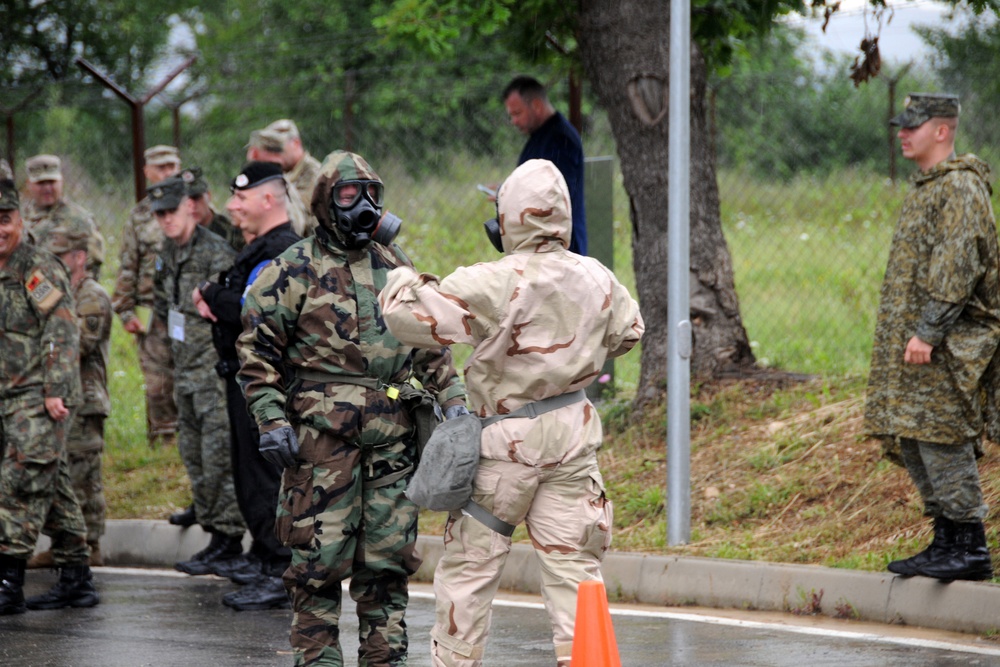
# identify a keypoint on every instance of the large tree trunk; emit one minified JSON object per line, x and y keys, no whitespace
{"x":625,"y":49}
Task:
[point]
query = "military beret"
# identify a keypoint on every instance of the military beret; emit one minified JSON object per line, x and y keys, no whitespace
{"x":254,"y":173}
{"x":65,"y":238}
{"x":168,"y":194}
{"x":286,"y":127}
{"x":9,"y":199}
{"x":921,"y":107}
{"x":267,"y":140}
{"x":195,"y":181}
{"x":44,"y":168}
{"x":157,"y":155}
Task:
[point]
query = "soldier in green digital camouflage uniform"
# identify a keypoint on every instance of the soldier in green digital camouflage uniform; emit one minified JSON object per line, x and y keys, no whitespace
{"x":132,"y":299}
{"x":85,"y":442}
{"x":191,"y":254}
{"x":48,"y":209}
{"x":207,"y":216}
{"x":322,"y":375}
{"x":937,"y":333}
{"x":39,"y":386}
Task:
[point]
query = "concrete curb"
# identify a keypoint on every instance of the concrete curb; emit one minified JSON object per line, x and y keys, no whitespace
{"x":666,"y":580}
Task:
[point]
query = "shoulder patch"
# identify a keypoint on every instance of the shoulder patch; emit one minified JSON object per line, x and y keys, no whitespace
{"x":42,"y":291}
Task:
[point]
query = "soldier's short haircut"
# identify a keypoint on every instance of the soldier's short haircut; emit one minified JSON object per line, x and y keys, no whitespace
{"x":528,"y":87}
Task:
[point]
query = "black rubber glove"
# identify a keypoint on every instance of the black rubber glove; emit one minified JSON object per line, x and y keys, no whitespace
{"x":455,"y":411}
{"x":280,"y":446}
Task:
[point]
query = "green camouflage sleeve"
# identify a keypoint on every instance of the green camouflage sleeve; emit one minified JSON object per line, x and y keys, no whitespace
{"x":60,"y":343}
{"x":436,"y":371}
{"x":270,"y":314}
{"x":126,"y":290}
{"x":956,"y":264}
{"x":93,"y":310}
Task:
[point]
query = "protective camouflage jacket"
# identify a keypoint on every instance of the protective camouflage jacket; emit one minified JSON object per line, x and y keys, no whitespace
{"x":944,"y":250}
{"x":312,"y":317}
{"x":39,"y":341}
{"x":542,"y":321}
{"x":141,"y":240}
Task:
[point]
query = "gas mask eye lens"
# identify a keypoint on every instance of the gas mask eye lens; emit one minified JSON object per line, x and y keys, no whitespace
{"x":374,"y":192}
{"x":347,"y":193}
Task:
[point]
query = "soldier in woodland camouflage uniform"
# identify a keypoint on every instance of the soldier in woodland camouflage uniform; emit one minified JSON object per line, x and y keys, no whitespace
{"x":85,"y":442}
{"x":189,"y":255}
{"x":47,"y":209}
{"x":322,"y":378}
{"x":39,"y":385}
{"x":133,"y":301}
{"x":542,"y":321}
{"x":301,"y":167}
{"x":207,"y":216}
{"x":938,"y":330}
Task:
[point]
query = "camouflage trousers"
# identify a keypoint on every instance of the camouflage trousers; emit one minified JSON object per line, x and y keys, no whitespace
{"x":203,"y":442}
{"x":947,"y":478}
{"x":157,"y":365}
{"x":339,"y":527}
{"x":35,"y":487}
{"x":84,"y":450}
{"x":569,"y":521}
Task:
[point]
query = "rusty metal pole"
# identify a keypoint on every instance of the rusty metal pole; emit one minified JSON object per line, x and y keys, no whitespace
{"x":10,"y":140}
{"x":575,"y":102}
{"x":9,"y":116}
{"x":138,"y":122}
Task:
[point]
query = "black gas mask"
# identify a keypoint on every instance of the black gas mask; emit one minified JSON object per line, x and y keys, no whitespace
{"x":356,"y":210}
{"x":492,"y":227}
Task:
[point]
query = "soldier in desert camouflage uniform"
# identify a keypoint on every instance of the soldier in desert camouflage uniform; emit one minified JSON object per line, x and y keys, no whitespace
{"x":133,"y":301}
{"x":322,"y":378}
{"x":938,"y":330}
{"x":191,"y":254}
{"x":542,"y":320}
{"x":85,"y":442}
{"x":269,"y":146}
{"x":48,"y":209}
{"x":39,"y":385}
{"x":301,"y":168}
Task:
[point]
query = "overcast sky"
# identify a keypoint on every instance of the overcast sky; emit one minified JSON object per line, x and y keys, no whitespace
{"x":897,"y":41}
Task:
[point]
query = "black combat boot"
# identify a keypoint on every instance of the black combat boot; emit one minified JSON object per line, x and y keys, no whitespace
{"x":75,"y":588}
{"x":12,"y":585}
{"x":240,"y":570}
{"x":221,"y":548}
{"x":185,"y":518}
{"x":266,"y":592}
{"x":967,"y":558}
{"x":943,"y":530}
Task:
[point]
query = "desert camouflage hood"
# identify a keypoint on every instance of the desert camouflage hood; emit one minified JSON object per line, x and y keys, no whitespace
{"x":534,"y":209}
{"x":964,"y":162}
{"x":337,"y":166}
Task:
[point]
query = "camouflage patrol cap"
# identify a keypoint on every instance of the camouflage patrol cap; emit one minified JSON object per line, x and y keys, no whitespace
{"x":65,"y":238}
{"x":921,"y":107}
{"x":267,"y":140}
{"x":285,"y":127}
{"x":162,"y":154}
{"x":168,"y":194}
{"x":44,"y":168}
{"x":9,"y":199}
{"x":195,"y":181}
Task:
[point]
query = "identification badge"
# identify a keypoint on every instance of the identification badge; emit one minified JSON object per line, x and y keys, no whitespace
{"x":175,"y":325}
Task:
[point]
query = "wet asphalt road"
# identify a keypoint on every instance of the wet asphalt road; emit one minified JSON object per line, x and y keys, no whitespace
{"x":149,"y":618}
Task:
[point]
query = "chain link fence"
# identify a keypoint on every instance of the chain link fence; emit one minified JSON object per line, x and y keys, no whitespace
{"x":809,"y":245}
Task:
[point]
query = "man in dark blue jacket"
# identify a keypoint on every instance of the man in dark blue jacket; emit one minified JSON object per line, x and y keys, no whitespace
{"x":550,"y":137}
{"x":258,"y":209}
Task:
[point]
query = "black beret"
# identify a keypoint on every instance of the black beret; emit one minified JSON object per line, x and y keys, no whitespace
{"x":254,"y":173}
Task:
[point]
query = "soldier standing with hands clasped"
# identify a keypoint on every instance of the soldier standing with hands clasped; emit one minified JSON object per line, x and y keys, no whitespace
{"x":938,"y":330}
{"x":40,"y":382}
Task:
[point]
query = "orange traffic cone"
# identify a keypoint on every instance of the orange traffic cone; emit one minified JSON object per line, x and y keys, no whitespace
{"x":594,"y":642}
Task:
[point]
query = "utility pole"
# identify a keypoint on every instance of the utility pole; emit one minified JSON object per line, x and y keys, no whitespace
{"x":138,"y":123}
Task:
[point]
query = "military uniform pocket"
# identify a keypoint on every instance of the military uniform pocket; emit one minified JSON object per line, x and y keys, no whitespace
{"x":295,"y":520}
{"x":601,"y":513}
